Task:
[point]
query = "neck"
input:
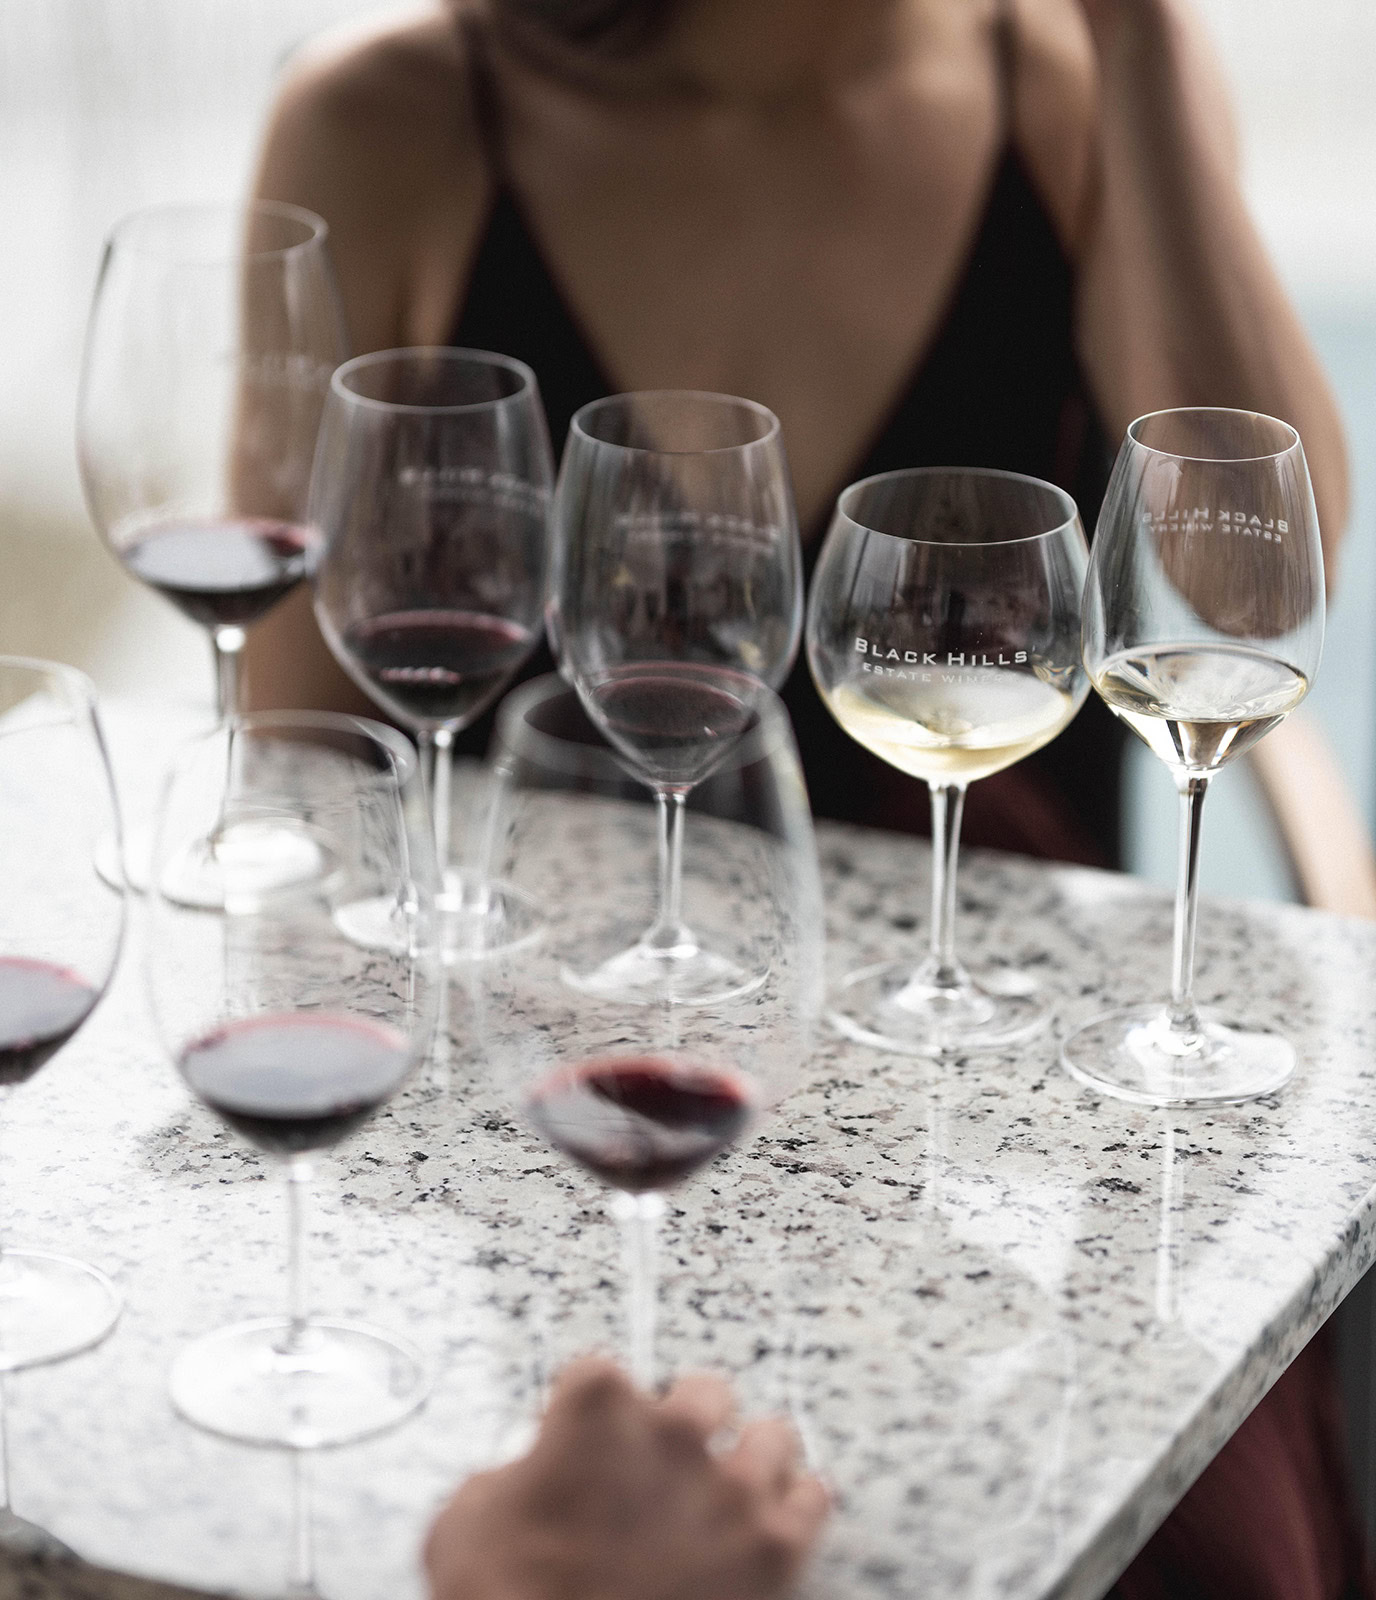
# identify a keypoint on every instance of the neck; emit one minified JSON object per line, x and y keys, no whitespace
{"x":758,"y":54}
{"x":766,"y":52}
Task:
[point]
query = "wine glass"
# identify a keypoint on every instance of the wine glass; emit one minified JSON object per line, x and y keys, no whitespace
{"x":60,"y":931}
{"x":1204,"y":614}
{"x":212,"y":336}
{"x":676,"y":604}
{"x":294,"y":1033}
{"x":943,"y":633}
{"x":644,"y":1096}
{"x":431,"y":485}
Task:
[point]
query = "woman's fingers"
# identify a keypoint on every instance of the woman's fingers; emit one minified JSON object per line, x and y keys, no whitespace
{"x":702,"y":1402}
{"x":799,"y":1516}
{"x":766,"y":1456}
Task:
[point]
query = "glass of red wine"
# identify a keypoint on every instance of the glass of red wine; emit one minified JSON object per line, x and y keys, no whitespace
{"x":676,"y":604}
{"x":432,"y":488}
{"x":212,"y":336}
{"x":60,"y":931}
{"x":643,"y":1096}
{"x":293,"y":1032}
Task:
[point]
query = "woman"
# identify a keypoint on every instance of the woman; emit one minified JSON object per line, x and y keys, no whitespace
{"x":919,"y":230}
{"x":980,"y":232}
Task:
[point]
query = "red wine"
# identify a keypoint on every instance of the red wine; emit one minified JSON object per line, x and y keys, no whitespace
{"x":437,"y":666}
{"x":296,"y":1080}
{"x":41,"y":1007}
{"x":674,"y":720}
{"x":223,"y":573}
{"x":639,"y":1122}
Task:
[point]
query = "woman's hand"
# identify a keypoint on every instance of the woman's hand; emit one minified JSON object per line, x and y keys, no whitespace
{"x":622,"y":1498}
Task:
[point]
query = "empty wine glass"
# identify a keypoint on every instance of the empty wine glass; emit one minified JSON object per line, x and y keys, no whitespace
{"x":60,"y":931}
{"x":432,"y":486}
{"x":643,"y":1096}
{"x":943,"y":633}
{"x":294,"y":1033}
{"x":676,"y":603}
{"x":212,"y":336}
{"x":1204,"y":615}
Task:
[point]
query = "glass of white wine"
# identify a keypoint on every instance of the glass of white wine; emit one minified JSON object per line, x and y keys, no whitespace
{"x":943,"y":631}
{"x":1203,"y":627}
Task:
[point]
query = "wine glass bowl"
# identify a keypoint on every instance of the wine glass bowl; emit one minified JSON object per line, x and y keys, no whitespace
{"x":943,"y":635}
{"x":675,"y":606}
{"x":60,"y":931}
{"x":641,"y":1096}
{"x":432,"y":488}
{"x":213,"y":333}
{"x":1204,"y":610}
{"x":293,"y":1031}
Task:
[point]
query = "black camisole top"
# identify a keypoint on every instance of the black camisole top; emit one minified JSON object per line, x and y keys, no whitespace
{"x":998,"y":386}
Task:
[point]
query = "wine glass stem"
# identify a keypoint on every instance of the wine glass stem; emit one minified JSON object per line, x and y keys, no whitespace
{"x":4,"y":1447}
{"x":948,"y":805}
{"x":1167,"y":1300}
{"x":298,"y":1182}
{"x":667,"y":931}
{"x":227,"y":643}
{"x":302,"y":1540}
{"x":638,"y":1217}
{"x":1184,"y":1018}
{"x":437,"y":772}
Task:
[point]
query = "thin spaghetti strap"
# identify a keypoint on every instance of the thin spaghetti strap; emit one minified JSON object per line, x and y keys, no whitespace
{"x":482,"y":88}
{"x":1006,"y":57}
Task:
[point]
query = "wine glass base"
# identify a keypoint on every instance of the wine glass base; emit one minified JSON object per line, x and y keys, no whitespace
{"x":1131,"y":1055}
{"x":51,"y":1307}
{"x":342,"y":1382}
{"x":506,"y":920}
{"x":509,"y":921}
{"x":684,"y":976}
{"x":892,"y":1007}
{"x":246,"y":863}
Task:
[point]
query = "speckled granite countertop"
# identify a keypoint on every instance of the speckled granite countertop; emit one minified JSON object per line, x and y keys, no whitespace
{"x":1014,"y":1321}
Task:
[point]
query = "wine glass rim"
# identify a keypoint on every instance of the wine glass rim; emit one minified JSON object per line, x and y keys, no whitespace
{"x":1214,"y":411}
{"x":74,"y":677}
{"x":398,"y":747}
{"x":80,"y":691}
{"x":317,"y":229}
{"x":448,"y":353}
{"x":1070,"y":519}
{"x":573,"y":756}
{"x":715,"y":396}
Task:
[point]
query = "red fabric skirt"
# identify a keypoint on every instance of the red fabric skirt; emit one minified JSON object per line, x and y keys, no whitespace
{"x":1272,"y":1517}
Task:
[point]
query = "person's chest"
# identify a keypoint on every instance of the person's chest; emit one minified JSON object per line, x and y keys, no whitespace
{"x":807,"y":265}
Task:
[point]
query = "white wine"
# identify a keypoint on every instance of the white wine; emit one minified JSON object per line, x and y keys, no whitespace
{"x":1197,"y":706}
{"x":959,"y":726}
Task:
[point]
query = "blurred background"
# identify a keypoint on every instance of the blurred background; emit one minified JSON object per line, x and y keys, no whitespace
{"x":107,"y":105}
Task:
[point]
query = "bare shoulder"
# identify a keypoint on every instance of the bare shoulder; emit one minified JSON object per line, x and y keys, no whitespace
{"x":1055,"y":107}
{"x":374,"y":129}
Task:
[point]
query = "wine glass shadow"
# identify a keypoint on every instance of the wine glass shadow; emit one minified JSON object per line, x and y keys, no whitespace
{"x":920,"y":1369}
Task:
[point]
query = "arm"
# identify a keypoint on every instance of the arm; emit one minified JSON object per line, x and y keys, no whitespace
{"x":373,"y":133}
{"x":1323,"y":830}
{"x":623,"y":1499}
{"x":1179,"y":304}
